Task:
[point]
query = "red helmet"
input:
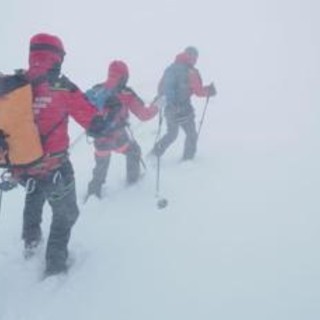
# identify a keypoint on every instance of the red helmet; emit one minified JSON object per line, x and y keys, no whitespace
{"x":46,"y":51}
{"x":47,"y":42}
{"x":118,"y":73}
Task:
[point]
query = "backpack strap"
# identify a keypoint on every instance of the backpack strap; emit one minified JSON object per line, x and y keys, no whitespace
{"x":61,"y":84}
{"x":44,"y":138}
{"x":12,"y":82}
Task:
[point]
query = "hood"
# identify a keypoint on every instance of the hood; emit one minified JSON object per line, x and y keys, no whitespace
{"x":118,"y":74}
{"x":186,"y":58}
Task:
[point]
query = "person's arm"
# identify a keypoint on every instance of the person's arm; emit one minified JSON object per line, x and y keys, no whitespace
{"x":197,"y":87}
{"x":83,"y":112}
{"x":81,"y":109}
{"x":138,"y":108}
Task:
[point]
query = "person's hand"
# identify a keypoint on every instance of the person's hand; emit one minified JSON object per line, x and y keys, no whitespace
{"x":152,"y":111}
{"x":7,"y":181}
{"x":160,"y":102}
{"x":212,"y":90}
{"x":97,"y":125}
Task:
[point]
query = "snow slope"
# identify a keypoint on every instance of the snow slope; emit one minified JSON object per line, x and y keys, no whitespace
{"x":237,"y":240}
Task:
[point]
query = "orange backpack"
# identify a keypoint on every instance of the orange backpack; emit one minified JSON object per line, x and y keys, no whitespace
{"x":20,"y":143}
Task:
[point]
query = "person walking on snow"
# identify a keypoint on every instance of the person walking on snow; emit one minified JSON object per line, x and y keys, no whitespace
{"x":116,"y":100}
{"x":55,"y":99}
{"x":179,"y":82}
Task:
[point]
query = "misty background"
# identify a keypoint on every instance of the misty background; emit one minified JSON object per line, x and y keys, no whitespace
{"x":240,"y":237}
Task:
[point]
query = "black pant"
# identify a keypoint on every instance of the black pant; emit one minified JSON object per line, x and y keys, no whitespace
{"x":187,"y":123}
{"x":58,"y":188}
{"x":99,"y":173}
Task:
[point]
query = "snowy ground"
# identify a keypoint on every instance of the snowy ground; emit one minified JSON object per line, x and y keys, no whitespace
{"x":238,"y":240}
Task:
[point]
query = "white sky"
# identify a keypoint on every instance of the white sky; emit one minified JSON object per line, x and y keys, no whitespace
{"x":263,"y":54}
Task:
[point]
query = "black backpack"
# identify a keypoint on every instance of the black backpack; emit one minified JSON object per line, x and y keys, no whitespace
{"x":103,"y":98}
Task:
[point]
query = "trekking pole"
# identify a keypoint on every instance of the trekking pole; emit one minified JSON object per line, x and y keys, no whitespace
{"x":159,"y":124}
{"x":1,"y":192}
{"x":135,"y":141}
{"x":77,"y":140}
{"x":162,"y":202}
{"x":203,"y":115}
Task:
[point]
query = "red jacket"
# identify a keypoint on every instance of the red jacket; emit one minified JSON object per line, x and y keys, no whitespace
{"x":195,"y":81}
{"x":53,"y":104}
{"x":130,"y":102}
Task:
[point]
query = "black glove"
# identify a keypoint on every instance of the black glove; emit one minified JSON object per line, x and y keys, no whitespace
{"x":7,"y":185}
{"x":7,"y":182}
{"x":101,"y":126}
{"x":212,"y":90}
{"x":97,"y":126}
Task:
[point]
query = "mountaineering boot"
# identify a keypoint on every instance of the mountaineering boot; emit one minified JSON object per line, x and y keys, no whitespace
{"x":31,"y":248}
{"x":55,"y":269}
{"x":95,"y":189}
{"x":56,"y":258}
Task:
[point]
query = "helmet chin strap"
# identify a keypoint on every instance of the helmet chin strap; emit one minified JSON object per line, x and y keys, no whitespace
{"x":54,"y":72}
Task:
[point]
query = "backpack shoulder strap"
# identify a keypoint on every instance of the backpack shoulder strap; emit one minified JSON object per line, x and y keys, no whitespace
{"x":12,"y":82}
{"x":63,"y":84}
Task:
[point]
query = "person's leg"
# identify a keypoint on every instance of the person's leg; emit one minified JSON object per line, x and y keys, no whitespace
{"x":32,"y":216}
{"x":61,"y":195}
{"x":190,"y":145}
{"x":99,"y":174}
{"x":171,"y":135}
{"x":133,"y":158}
